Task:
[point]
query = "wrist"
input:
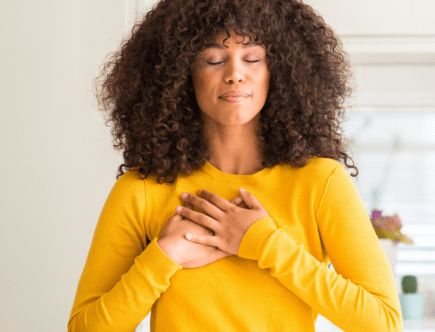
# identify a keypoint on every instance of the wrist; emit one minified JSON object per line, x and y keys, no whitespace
{"x":166,"y":248}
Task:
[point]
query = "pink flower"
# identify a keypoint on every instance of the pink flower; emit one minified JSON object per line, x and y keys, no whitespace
{"x":391,"y":223}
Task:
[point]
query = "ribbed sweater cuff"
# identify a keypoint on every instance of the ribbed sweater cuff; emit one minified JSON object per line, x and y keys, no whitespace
{"x":161,"y":263}
{"x":252,"y":241}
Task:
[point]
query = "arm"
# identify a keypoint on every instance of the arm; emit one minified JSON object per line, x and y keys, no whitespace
{"x":360,"y":295}
{"x":123,"y":276}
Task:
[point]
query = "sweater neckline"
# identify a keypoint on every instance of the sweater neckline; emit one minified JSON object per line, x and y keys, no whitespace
{"x":235,"y":178}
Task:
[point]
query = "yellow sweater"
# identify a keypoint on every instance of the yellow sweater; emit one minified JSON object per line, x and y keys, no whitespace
{"x":280,"y":279}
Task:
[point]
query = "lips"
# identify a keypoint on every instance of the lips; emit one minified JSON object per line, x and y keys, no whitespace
{"x":234,"y":99}
{"x":235,"y":94}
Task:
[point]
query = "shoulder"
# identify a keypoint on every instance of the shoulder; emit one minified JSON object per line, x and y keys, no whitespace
{"x":332,"y":176}
{"x":315,"y":174}
{"x":131,"y":175}
{"x":320,"y":167}
{"x":129,"y":183}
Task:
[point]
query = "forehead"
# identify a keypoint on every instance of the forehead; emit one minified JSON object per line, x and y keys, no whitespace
{"x":222,"y":47}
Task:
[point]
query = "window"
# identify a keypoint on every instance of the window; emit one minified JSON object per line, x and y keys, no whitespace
{"x":394,"y":151}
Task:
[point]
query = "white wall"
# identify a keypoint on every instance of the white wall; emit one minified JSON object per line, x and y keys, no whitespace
{"x":377,"y":17}
{"x":58,"y":164}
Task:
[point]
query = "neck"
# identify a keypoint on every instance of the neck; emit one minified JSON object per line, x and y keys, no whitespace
{"x":235,"y":150}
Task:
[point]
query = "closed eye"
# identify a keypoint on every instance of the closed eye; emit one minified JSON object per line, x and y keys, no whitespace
{"x":217,"y":63}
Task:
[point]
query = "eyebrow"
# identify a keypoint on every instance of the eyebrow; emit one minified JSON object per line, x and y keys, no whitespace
{"x":221,"y":47}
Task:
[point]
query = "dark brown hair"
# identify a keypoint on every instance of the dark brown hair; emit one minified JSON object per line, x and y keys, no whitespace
{"x":147,"y":93}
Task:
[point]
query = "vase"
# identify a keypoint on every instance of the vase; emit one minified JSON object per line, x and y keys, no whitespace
{"x":412,"y":305}
{"x":390,"y":249}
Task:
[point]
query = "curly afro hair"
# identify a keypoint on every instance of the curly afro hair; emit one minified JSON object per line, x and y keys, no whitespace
{"x":147,"y":90}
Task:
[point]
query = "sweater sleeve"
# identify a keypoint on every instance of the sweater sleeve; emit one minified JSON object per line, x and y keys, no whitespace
{"x":360,"y":295}
{"x":122,"y":276}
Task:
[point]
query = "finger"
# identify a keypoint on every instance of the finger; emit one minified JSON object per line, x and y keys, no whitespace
{"x":187,"y":206}
{"x":197,"y":217}
{"x":250,"y":200}
{"x":203,"y":239}
{"x":203,"y":205}
{"x":243,"y":206}
{"x":233,"y":201}
{"x":208,"y":240}
{"x":236,"y":201}
{"x":211,"y":201}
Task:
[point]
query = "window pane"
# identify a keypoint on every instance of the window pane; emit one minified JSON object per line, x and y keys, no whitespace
{"x":395,"y":154}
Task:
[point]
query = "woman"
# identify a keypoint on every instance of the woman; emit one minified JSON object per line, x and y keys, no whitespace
{"x":258,"y":265}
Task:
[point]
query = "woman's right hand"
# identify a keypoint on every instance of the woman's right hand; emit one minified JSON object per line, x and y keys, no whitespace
{"x":186,"y":253}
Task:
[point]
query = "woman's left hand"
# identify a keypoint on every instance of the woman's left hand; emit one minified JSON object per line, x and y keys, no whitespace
{"x":228,"y":221}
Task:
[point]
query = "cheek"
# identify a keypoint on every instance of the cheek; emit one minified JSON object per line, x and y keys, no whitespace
{"x":266,"y":82}
{"x":207,"y":80}
{"x":205,"y":83}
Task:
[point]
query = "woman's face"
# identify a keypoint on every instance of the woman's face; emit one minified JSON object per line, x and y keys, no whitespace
{"x":235,"y":70}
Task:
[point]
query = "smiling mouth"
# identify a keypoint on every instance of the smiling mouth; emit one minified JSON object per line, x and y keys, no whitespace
{"x":234,"y":99}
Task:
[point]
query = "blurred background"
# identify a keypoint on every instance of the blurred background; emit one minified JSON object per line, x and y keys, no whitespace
{"x":59,"y":164}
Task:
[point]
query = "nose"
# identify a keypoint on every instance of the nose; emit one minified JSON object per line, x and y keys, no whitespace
{"x":234,"y":75}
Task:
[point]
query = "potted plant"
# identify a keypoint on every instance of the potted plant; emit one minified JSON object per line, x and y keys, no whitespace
{"x":411,"y":301}
{"x":387,"y":230}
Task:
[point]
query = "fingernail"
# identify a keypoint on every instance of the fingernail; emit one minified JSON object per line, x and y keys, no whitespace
{"x":242,"y":189}
{"x":238,"y":200}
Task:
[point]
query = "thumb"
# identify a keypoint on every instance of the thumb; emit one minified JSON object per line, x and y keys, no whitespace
{"x":249,"y":199}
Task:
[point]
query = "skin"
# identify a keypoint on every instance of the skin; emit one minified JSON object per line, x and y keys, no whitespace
{"x":230,"y":130}
{"x":230,"y":127}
